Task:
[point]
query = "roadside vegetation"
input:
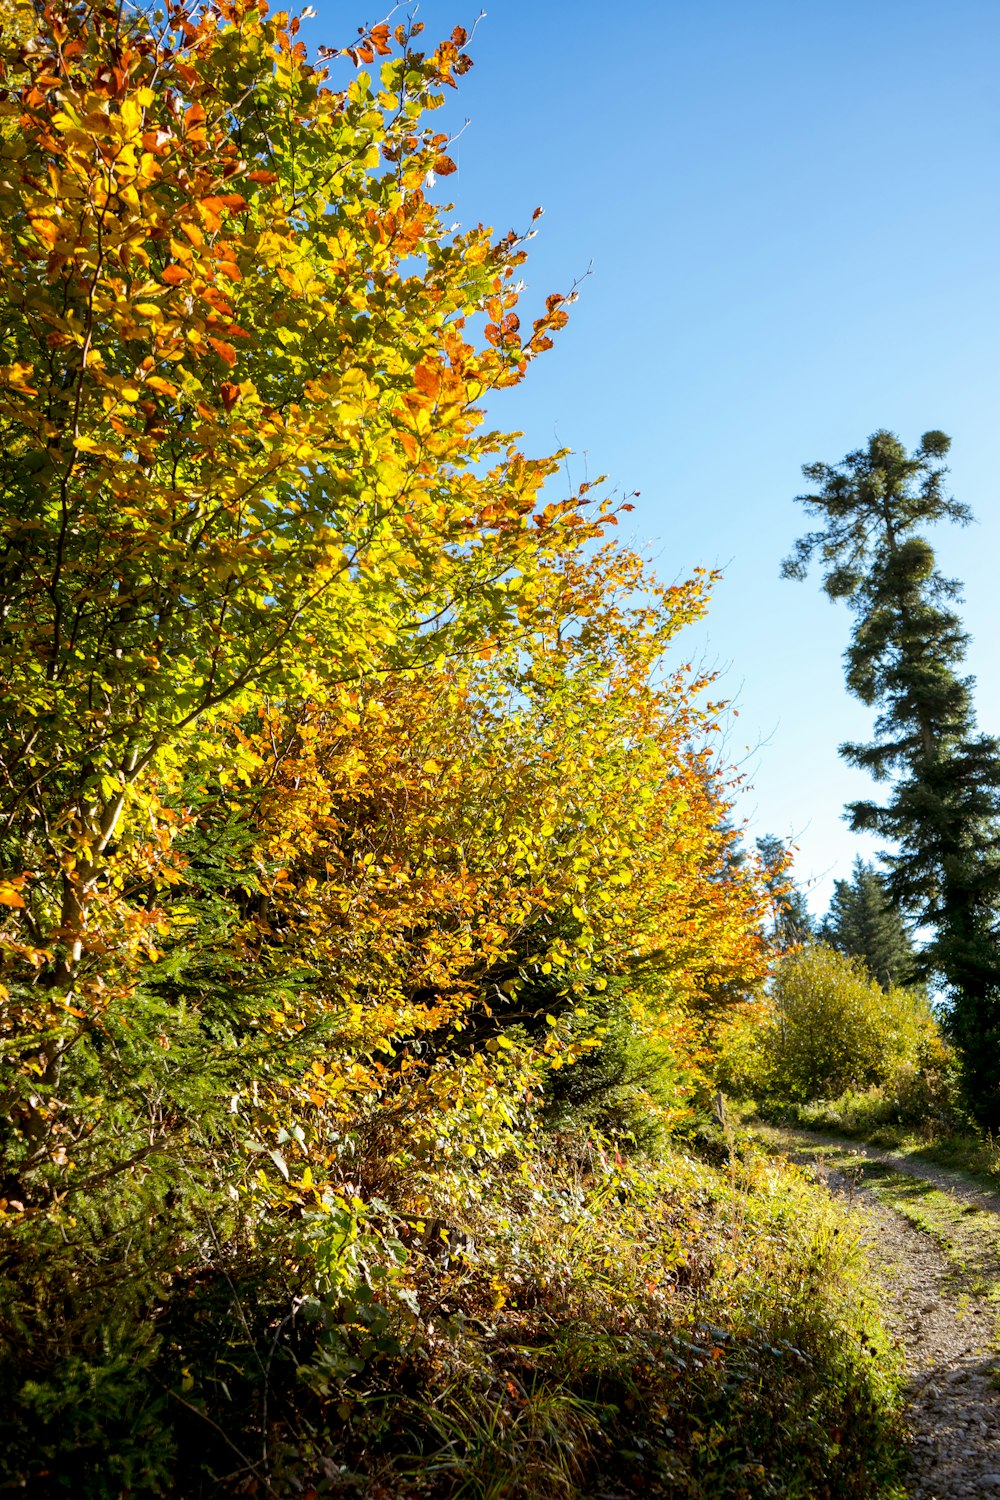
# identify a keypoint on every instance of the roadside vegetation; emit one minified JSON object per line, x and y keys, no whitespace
{"x":940,"y":1205}
{"x":827,"y":1035}
{"x":666,"y":1328}
{"x":370,"y":900}
{"x":829,"y":1050}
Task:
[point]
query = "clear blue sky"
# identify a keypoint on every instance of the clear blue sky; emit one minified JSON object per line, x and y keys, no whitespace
{"x":792,"y":215}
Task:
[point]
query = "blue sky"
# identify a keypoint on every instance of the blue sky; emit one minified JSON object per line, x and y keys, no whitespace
{"x":791,"y":214}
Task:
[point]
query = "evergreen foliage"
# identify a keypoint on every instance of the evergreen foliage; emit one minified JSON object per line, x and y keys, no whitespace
{"x":905,"y":659}
{"x":864,"y":924}
{"x":791,"y":920}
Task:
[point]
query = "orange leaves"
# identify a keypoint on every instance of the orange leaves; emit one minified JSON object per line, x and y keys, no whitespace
{"x":186,"y":73}
{"x":160,"y":386}
{"x":10,"y":892}
{"x":47,"y":230}
{"x":223,"y":350}
{"x":443,"y":166}
{"x":449,"y":60}
{"x":244,"y":499}
{"x":194,"y":123}
{"x":17,"y":377}
{"x":409,"y":445}
{"x":427,"y":379}
{"x":211,"y":207}
{"x":505,"y":332}
{"x":434,"y":827}
{"x":373,"y":43}
{"x":210,"y":210}
{"x":157,"y":141}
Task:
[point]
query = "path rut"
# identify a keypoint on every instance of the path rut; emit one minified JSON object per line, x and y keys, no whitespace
{"x":947,"y":1329}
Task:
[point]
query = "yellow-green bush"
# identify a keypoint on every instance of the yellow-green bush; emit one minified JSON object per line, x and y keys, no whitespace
{"x":826,"y":1027}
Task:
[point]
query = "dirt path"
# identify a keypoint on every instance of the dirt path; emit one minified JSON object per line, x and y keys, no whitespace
{"x":940,"y":1303}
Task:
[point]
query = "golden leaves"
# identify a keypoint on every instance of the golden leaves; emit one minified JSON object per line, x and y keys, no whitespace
{"x":18,"y":377}
{"x":47,"y":230}
{"x":264,"y":505}
{"x":210,"y":209}
{"x":10,"y":892}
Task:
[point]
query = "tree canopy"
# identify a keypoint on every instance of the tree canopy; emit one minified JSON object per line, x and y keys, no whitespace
{"x":863,"y":923}
{"x":346,"y":766}
{"x":240,"y":402}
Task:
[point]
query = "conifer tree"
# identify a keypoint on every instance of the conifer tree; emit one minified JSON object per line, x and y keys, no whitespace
{"x":905,"y":659}
{"x":863,"y":923}
{"x":792,"y":921}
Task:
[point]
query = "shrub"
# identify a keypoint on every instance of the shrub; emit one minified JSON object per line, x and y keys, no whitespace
{"x":836,"y":1027}
{"x":826,"y":1028}
{"x":745,"y":1051}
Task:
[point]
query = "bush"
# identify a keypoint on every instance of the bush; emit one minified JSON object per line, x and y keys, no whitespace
{"x":827,"y":1028}
{"x":921,"y":1094}
{"x":745,"y":1051}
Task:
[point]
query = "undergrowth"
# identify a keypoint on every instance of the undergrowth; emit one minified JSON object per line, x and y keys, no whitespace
{"x":593,"y":1326}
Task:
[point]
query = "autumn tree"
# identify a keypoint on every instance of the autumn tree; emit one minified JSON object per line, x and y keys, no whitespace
{"x":943,"y":813}
{"x":466,"y":859}
{"x":246,"y":488}
{"x":346,"y":773}
{"x":241,"y":425}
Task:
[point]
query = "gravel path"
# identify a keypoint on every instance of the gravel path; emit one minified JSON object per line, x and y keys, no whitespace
{"x":949,"y":1333}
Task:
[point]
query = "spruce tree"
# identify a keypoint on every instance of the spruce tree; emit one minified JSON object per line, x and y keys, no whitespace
{"x":905,"y":659}
{"x":863,"y":923}
{"x":792,"y":921}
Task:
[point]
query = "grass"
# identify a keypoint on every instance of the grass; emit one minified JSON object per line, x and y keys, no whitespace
{"x":862,"y":1116}
{"x":600,"y":1327}
{"x":666,"y":1329}
{"x":969,"y":1237}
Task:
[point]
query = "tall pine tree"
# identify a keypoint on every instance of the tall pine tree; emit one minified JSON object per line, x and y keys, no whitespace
{"x":905,"y":659}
